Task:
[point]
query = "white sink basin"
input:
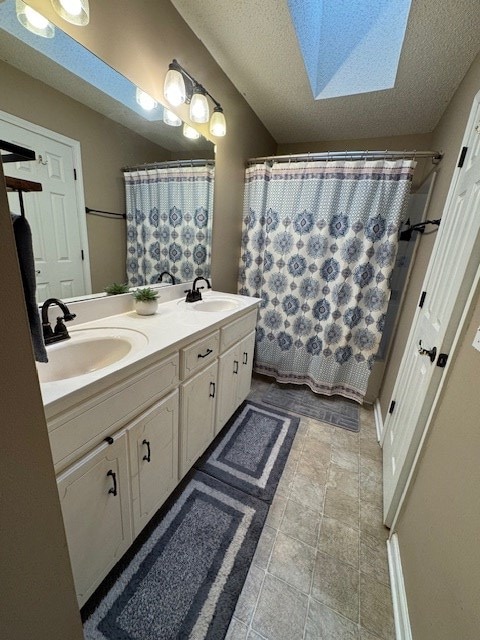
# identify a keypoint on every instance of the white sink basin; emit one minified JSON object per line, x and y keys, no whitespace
{"x":88,"y":350}
{"x":215,"y":304}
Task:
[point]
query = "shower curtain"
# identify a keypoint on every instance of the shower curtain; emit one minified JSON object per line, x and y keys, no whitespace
{"x":169,"y":222}
{"x":318,"y":247}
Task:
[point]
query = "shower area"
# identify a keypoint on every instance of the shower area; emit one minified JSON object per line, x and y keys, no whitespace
{"x":322,"y":248}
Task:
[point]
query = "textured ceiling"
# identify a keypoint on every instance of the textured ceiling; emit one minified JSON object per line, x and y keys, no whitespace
{"x":254,"y":42}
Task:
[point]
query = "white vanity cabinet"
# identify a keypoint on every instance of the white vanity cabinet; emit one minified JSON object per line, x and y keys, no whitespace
{"x":95,"y":499}
{"x":153,"y":447}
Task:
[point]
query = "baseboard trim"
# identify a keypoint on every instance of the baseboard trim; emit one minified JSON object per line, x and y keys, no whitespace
{"x":377,"y":412}
{"x":403,"y":630}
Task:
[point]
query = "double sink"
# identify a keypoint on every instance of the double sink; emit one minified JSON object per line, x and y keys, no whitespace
{"x":91,"y":349}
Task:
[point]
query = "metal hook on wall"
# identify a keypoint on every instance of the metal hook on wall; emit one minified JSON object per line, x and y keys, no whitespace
{"x":41,"y":161}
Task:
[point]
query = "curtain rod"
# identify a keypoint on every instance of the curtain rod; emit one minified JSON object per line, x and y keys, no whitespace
{"x":170,"y":163}
{"x":351,"y":155}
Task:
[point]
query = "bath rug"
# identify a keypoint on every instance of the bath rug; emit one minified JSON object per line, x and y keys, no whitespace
{"x":183,"y":576}
{"x":252,"y":449}
{"x":336,"y":411}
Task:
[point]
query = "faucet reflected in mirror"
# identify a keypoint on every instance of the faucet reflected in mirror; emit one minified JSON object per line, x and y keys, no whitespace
{"x":82,"y":139}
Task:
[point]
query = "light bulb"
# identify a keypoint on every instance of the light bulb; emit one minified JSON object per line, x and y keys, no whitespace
{"x":218,"y":125}
{"x":34,"y":21}
{"x":199,"y":111}
{"x":73,"y":11}
{"x":174,"y":88}
{"x":171,"y":118}
{"x":145,"y":101}
{"x":190,"y":132}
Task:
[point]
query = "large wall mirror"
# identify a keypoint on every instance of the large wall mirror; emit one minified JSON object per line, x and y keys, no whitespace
{"x":85,"y":125}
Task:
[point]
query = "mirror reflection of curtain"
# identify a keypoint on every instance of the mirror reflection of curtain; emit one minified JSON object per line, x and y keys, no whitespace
{"x":169,"y":222}
{"x":319,"y":245}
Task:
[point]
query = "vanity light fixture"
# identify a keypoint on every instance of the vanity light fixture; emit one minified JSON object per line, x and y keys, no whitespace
{"x":171,"y":118}
{"x":73,"y":11}
{"x":190,"y":132}
{"x":145,"y":101}
{"x":180,"y":87}
{"x":34,"y":21}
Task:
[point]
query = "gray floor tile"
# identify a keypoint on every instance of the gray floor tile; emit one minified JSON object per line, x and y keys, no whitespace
{"x":343,"y":480}
{"x":316,"y":470}
{"x":325,"y":624}
{"x":317,"y":452}
{"x":374,"y":558}
{"x":237,"y":630}
{"x":346,"y":459}
{"x":250,"y":592}
{"x":319,"y":431}
{"x":346,"y":440}
{"x":341,"y":506}
{"x":307,"y":492}
{"x":370,"y":448}
{"x":275,"y":512}
{"x":371,"y":521}
{"x":301,"y":522}
{"x":376,"y":611}
{"x":254,"y":636}
{"x":366,"y":635}
{"x":293,"y":562}
{"x":281,"y":611}
{"x":264,"y":547}
{"x":336,"y":585}
{"x":340,"y":541}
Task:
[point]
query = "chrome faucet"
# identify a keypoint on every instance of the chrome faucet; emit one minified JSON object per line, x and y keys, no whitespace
{"x":193,"y":294}
{"x":166,"y":273}
{"x":60,"y":332}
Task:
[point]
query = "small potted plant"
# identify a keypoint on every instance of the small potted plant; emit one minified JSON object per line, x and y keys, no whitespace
{"x":145,"y":301}
{"x":115,"y":289}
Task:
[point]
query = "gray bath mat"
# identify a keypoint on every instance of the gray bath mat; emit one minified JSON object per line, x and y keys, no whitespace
{"x":182,"y":580}
{"x":339,"y":412}
{"x":252,"y":450}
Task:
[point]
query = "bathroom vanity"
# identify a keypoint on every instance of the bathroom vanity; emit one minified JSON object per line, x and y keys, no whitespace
{"x":124,"y":435}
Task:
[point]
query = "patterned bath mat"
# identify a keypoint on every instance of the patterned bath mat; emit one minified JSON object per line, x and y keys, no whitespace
{"x":336,"y":411}
{"x":182,"y":580}
{"x":252,"y":450}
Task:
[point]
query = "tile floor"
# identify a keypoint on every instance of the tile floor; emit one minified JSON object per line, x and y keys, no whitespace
{"x":320,"y":569}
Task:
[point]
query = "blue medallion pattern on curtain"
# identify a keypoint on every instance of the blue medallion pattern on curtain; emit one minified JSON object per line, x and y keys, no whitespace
{"x":169,"y":222}
{"x":318,"y":247}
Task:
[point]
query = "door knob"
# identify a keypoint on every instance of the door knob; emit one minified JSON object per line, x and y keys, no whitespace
{"x":431,"y":353}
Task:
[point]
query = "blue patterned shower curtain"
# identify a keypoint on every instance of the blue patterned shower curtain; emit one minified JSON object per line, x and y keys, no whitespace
{"x":169,"y":222}
{"x":318,"y":247}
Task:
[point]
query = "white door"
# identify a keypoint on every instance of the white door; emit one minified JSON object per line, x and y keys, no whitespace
{"x":54,"y":214}
{"x":450,"y":274}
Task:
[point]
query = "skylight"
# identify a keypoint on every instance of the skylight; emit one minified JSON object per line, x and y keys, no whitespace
{"x":350,"y":46}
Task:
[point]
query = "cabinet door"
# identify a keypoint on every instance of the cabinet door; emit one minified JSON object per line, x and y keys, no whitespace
{"x":95,"y":500}
{"x":197,"y":411}
{"x":153,"y":444}
{"x":228,"y":372}
{"x":245,"y":357}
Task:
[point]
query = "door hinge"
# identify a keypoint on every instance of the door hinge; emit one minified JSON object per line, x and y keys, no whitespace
{"x":83,"y":255}
{"x":422,"y":299}
{"x":442,"y":360}
{"x":74,"y":174}
{"x":463,"y":153}
{"x":392,"y":406}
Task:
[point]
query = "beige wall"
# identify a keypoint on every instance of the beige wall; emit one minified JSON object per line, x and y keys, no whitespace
{"x":106,"y":147}
{"x":37,"y":597}
{"x":140,"y":39}
{"x":447,"y":137}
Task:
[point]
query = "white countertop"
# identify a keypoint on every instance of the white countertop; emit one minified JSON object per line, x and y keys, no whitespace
{"x":175,"y":324}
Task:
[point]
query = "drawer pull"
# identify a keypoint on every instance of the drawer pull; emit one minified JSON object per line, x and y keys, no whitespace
{"x":245,"y":357}
{"x":204,"y":355}
{"x":235,"y":366}
{"x":109,"y":439}
{"x":113,"y":490}
{"x":212,"y":390}
{"x":147,"y":444}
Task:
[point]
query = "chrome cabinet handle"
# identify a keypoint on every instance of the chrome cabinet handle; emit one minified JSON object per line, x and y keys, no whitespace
{"x":113,"y":490}
{"x":431,"y":353}
{"x":147,"y":457}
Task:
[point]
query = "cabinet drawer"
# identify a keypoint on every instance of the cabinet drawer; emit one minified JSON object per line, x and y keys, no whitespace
{"x":199,"y":354}
{"x":238,"y":329}
{"x":75,"y":432}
